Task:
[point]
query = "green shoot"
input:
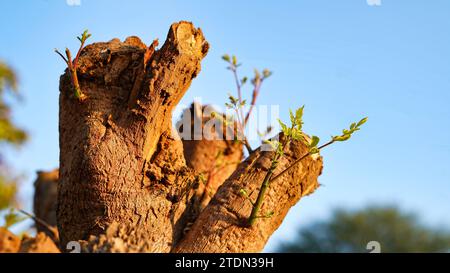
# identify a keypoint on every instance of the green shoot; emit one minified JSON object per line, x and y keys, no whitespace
{"x":313,"y":148}
{"x":72,"y":65}
{"x":294,"y":132}
{"x":346,"y":134}
{"x":237,"y":104}
{"x":289,"y":133}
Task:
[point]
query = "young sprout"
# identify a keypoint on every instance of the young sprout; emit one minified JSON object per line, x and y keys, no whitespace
{"x":72,"y":65}
{"x":294,"y":132}
{"x":289,"y":133}
{"x":237,"y":104}
{"x":313,"y":145}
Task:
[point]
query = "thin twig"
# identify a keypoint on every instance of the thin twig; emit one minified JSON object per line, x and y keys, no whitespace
{"x":239,"y":112}
{"x":75,"y":62}
{"x":62,"y":56}
{"x":299,"y":160}
{"x":253,"y":102}
{"x":241,"y":134}
{"x":268,"y":178}
{"x":72,"y":65}
{"x":266,"y":182}
{"x":73,"y":75}
{"x":40,"y":221}
{"x":238,"y":87}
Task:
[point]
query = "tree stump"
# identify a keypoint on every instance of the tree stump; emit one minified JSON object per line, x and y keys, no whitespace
{"x":124,"y":181}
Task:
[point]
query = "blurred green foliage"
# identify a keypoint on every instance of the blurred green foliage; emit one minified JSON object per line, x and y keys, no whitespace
{"x":7,"y":192}
{"x":10,"y":134}
{"x":350,"y":231}
{"x":12,"y":218}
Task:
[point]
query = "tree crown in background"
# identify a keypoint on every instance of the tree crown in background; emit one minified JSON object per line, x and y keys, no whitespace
{"x":350,"y":231}
{"x":10,"y":134}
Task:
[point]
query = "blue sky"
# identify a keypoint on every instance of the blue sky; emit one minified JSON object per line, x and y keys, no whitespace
{"x":342,"y":59}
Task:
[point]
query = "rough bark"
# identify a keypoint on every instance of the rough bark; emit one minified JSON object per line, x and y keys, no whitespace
{"x":213,"y":154}
{"x":39,"y":244}
{"x":221,"y":225}
{"x":110,"y":143}
{"x":215,"y":158}
{"x":124,"y":182}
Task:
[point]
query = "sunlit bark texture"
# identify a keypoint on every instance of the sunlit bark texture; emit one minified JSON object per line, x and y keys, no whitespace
{"x":126,"y":183}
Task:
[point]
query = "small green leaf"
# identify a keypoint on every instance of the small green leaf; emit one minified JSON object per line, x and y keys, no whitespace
{"x":296,"y":134}
{"x":267,"y":73}
{"x":362,"y":121}
{"x":314,"y":141}
{"x":226,"y":58}
{"x":84,"y":36}
{"x":299,"y":117}
{"x":341,"y":138}
{"x":292,"y":117}
{"x":234,"y":60}
{"x":284,"y":128}
{"x":299,"y":113}
{"x":233,"y":100}
{"x":244,"y":80}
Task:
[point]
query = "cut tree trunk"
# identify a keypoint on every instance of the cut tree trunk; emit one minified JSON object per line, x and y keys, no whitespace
{"x":211,"y":153}
{"x":214,"y":158}
{"x":45,"y":196}
{"x":111,"y":144}
{"x":226,"y":215}
{"x":125,"y":185}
